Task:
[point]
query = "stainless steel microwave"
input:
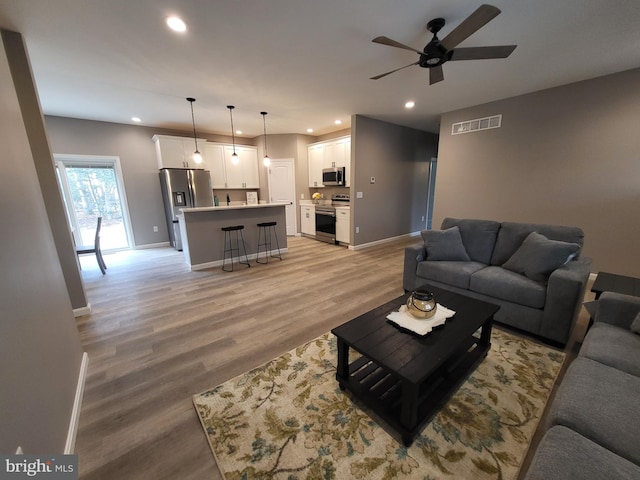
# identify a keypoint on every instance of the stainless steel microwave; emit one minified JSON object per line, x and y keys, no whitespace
{"x":333,"y":176}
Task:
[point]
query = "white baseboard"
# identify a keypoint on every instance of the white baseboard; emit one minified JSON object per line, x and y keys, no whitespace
{"x":218,"y":263}
{"x":70,"y":445}
{"x":79,"y":312}
{"x":152,"y":245}
{"x":383,"y":241}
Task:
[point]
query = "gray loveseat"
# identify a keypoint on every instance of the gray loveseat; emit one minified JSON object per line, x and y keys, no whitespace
{"x":593,"y":424}
{"x":533,"y":272}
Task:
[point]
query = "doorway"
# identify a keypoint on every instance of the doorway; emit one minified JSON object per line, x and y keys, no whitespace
{"x":282,"y":189}
{"x":92,"y":187}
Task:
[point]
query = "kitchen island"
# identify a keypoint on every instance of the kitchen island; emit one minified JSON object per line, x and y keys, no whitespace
{"x":203,"y":239}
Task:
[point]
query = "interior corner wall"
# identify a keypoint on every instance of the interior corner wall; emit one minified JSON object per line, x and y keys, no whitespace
{"x":569,"y":155}
{"x":30,"y":107}
{"x":398,"y":157}
{"x":40,"y":350}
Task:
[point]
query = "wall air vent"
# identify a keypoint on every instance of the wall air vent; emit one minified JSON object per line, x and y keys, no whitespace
{"x":476,"y":125}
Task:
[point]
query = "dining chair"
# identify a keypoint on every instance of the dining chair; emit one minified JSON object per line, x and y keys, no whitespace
{"x":80,"y":249}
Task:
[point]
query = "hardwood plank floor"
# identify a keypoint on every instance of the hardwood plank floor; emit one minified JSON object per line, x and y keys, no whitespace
{"x":159,"y":334}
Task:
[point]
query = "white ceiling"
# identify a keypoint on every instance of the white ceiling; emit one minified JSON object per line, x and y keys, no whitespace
{"x":306,"y":62}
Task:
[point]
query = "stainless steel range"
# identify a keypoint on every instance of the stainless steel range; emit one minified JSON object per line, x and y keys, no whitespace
{"x":326,"y":217}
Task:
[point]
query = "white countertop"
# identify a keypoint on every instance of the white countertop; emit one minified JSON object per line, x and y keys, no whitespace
{"x":231,"y":207}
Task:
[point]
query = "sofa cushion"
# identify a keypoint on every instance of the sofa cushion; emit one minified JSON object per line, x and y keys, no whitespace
{"x":600,"y":403}
{"x":444,"y":245}
{"x":613,"y":346}
{"x":564,"y":454}
{"x":538,"y":257}
{"x":478,"y":236}
{"x":510,"y":286}
{"x":456,"y":274}
{"x":511,"y":235}
{"x":635,"y":325}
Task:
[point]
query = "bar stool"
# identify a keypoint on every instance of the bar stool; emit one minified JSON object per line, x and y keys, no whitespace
{"x":228,"y":245}
{"x":264,"y":233}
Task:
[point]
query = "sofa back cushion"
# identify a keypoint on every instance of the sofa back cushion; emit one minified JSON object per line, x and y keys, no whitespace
{"x":478,"y":236}
{"x":511,"y":236}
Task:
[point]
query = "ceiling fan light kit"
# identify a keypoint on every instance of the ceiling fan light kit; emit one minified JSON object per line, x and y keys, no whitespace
{"x":437,"y":52}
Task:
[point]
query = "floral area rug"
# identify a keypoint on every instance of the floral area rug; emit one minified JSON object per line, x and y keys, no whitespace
{"x":288,"y":419}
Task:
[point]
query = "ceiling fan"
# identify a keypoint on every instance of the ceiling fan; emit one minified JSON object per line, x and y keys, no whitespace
{"x":437,"y":52}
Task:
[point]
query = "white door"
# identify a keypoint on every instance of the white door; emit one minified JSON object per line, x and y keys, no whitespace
{"x":282,"y":189}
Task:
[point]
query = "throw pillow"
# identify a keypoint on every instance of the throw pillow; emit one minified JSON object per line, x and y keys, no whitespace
{"x":445,"y":245}
{"x":538,"y":257}
{"x":635,"y":326}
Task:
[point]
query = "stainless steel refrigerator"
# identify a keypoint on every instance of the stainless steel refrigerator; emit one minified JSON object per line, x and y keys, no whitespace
{"x":183,"y":188}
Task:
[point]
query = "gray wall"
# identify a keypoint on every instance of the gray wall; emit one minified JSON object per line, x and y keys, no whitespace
{"x":568,"y":155}
{"x":398,"y":157}
{"x":138,"y":161}
{"x":40,"y":351}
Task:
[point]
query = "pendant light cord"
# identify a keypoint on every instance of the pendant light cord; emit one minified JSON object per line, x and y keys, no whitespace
{"x":193,"y":122}
{"x":264,"y":123}
{"x":233,"y":136}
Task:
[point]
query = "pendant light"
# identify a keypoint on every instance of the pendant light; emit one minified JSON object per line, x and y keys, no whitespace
{"x":234,"y":157}
{"x":266,"y":159}
{"x":197,"y":157}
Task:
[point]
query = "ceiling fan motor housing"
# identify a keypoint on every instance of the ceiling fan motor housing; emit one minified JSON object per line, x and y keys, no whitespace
{"x":434,"y":53}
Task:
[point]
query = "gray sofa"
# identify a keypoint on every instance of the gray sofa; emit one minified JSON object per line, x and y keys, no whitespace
{"x":534,"y":272}
{"x":593,"y":424}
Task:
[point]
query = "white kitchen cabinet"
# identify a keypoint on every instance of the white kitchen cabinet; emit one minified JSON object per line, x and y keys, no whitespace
{"x":316,"y":164}
{"x":214,"y":153}
{"x":177,"y":152}
{"x":343,"y":218}
{"x":245,"y":173}
{"x":331,"y":153}
{"x":227,"y":175}
{"x":308,"y":219}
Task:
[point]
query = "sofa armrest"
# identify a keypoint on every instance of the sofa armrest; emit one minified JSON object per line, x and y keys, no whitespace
{"x":565,"y":293}
{"x":413,"y":254}
{"x":617,"y":309}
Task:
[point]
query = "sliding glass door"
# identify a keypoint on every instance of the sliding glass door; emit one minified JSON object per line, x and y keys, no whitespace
{"x":92,"y":187}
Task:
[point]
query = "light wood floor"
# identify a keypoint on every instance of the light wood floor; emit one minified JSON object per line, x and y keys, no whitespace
{"x":159,"y":334}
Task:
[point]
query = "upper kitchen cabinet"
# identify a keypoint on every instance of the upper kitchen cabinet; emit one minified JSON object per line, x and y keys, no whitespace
{"x":177,"y":152}
{"x":316,"y":164}
{"x":331,"y":153}
{"x":214,"y":153}
{"x":244,"y":174}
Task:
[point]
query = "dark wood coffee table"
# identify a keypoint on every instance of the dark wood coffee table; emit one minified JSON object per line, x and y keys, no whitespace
{"x":405,"y":378}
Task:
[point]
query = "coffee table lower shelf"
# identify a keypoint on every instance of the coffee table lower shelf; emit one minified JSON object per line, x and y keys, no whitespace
{"x":404,"y":406}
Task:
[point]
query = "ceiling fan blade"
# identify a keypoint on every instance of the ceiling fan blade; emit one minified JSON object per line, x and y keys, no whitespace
{"x":392,"y":43}
{"x":436,"y":74}
{"x":474,"y":22}
{"x":482,"y":53}
{"x":392,"y":71}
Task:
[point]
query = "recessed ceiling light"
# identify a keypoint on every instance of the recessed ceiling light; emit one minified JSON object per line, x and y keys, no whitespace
{"x":309,"y":130}
{"x":176,"y":24}
{"x":410,"y":104}
{"x":136,"y":119}
{"x":238,"y":132}
{"x":338,"y":122}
